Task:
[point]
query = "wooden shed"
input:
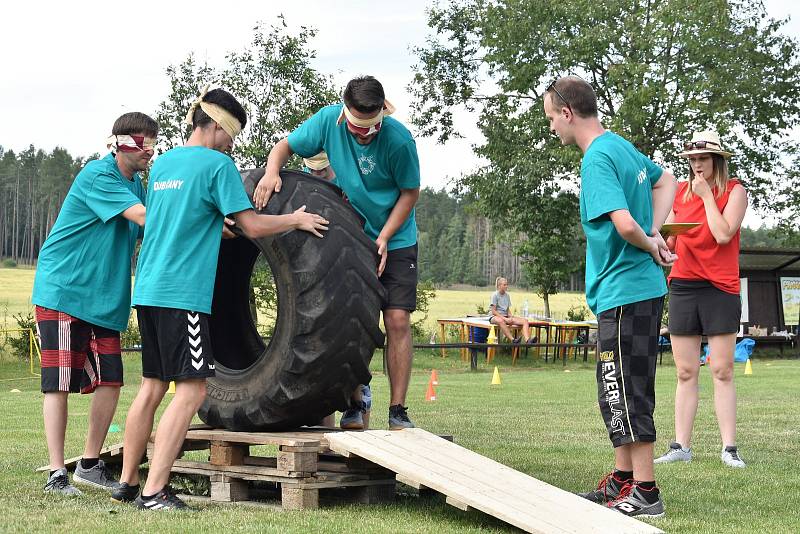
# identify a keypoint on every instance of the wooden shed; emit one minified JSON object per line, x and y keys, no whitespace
{"x":764,"y":270}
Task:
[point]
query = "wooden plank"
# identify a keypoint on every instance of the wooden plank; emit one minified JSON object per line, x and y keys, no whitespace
{"x":293,"y":439}
{"x":452,"y":501}
{"x":110,"y":455}
{"x":461,"y":477}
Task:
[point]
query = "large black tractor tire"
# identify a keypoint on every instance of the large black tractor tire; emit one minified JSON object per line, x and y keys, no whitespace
{"x":329,"y":302}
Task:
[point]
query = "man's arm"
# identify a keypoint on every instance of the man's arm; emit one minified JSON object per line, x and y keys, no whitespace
{"x":271,"y":181}
{"x":255,"y":225}
{"x":629,"y":229}
{"x":663,"y":199}
{"x":135,"y":214}
{"x":402,"y":209}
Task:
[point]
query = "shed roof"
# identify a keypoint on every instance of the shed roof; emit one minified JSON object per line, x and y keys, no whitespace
{"x":769,"y":259}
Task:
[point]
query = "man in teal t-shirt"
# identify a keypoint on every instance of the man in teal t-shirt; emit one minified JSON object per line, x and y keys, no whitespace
{"x":190,"y":191}
{"x":374,"y":160}
{"x":624,"y":200}
{"x":82,"y":294}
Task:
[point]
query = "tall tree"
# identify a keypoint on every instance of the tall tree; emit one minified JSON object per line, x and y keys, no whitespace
{"x":661,"y":69}
{"x":273,"y":79}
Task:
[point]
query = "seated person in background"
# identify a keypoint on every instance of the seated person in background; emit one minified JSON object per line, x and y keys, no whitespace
{"x":499,"y":307}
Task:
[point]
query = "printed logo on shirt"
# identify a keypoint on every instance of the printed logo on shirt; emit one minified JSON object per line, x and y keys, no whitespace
{"x":642,"y":176}
{"x":366,"y":164}
{"x":167,"y":184}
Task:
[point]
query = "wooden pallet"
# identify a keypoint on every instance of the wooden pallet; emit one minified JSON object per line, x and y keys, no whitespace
{"x":469,"y":480}
{"x":303,"y":466}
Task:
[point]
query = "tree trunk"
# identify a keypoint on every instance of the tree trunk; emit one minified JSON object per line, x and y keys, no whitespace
{"x":546,"y":298}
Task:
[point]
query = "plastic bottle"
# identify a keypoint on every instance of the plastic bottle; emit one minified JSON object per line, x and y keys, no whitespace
{"x":525,"y":309}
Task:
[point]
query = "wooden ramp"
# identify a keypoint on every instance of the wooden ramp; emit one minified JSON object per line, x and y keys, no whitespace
{"x":469,"y":480}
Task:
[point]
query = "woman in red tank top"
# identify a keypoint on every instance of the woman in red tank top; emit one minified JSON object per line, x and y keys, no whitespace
{"x":704,"y":291}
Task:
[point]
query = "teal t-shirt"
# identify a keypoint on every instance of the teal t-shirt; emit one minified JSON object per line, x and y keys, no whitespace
{"x":84,"y":267}
{"x":189,"y":192}
{"x":370,"y":175}
{"x":614,"y":176}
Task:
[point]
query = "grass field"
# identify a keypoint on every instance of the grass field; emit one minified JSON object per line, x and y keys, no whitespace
{"x":16,"y":285}
{"x":542,"y":420}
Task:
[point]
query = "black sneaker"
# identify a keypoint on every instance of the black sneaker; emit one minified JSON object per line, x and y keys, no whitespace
{"x":632,"y":502}
{"x":398,"y":417}
{"x":96,"y":477}
{"x":163,"y":500}
{"x":607,"y":490}
{"x":125,"y":492}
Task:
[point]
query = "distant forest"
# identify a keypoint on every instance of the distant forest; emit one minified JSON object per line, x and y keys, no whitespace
{"x":455,"y":245}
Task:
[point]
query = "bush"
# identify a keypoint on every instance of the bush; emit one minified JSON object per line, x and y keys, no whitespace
{"x":425,"y":293}
{"x":131,"y":337}
{"x":578,"y":313}
{"x":20,"y":343}
{"x":9,"y":263}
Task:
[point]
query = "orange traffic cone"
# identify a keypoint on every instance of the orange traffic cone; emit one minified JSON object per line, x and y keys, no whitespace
{"x":434,"y":378}
{"x":430,"y":395}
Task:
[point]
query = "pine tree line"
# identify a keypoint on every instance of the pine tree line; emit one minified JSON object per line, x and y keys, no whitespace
{"x":33,"y":185}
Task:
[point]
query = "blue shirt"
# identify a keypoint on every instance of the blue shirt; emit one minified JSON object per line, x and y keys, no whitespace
{"x":84,"y":267}
{"x":616,"y":176}
{"x":370,"y":175}
{"x":190,"y":191}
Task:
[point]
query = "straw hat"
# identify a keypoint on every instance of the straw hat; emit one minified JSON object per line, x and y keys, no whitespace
{"x":706,"y":142}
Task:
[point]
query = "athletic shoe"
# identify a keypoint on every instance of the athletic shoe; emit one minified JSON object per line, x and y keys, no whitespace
{"x":516,"y":340}
{"x":125,"y":492}
{"x":632,"y":502}
{"x":532,"y":340}
{"x":163,"y":500}
{"x":59,"y":483}
{"x":730,"y":457}
{"x":352,"y":418}
{"x":607,"y":490}
{"x":96,"y":477}
{"x":676,"y":453}
{"x":398,"y":418}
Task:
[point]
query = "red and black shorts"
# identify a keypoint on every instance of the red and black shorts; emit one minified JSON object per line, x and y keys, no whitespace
{"x":76,"y":356}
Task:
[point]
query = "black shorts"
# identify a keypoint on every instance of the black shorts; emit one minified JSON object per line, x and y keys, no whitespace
{"x":176,"y":344}
{"x":698,"y":308}
{"x":626,"y":370}
{"x":400,"y":279}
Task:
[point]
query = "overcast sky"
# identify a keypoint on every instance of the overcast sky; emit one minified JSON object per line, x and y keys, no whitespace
{"x":70,"y":68}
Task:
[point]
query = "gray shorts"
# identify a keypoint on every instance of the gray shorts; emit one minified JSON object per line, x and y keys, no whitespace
{"x":698,"y":308}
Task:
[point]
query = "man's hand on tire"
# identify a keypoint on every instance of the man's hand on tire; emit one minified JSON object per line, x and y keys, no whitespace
{"x":310,"y":222}
{"x":268,"y":184}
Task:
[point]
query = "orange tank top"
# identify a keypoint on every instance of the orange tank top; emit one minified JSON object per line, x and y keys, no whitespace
{"x":700,"y":257}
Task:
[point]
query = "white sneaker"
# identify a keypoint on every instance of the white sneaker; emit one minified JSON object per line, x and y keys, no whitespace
{"x":676,"y":453}
{"x":730,"y":457}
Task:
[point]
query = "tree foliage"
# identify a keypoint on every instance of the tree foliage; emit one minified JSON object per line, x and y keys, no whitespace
{"x":272,"y":78}
{"x":661,"y":69}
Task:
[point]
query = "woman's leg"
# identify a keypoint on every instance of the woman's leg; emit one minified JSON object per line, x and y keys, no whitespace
{"x":721,"y":348}
{"x":686,"y":351}
{"x":502,"y":323}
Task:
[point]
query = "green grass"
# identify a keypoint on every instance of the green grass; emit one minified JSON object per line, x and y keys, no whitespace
{"x":542,"y":420}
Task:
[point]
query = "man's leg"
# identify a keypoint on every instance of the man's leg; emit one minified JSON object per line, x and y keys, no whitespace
{"x":101,"y":413}
{"x":399,"y":355}
{"x":54,"y":410}
{"x":138,"y":426}
{"x":171,"y":432}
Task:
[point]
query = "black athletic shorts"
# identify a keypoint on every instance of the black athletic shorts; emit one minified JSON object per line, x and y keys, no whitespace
{"x":626,"y":370}
{"x":698,"y":308}
{"x":400,"y":279}
{"x":176,"y":344}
